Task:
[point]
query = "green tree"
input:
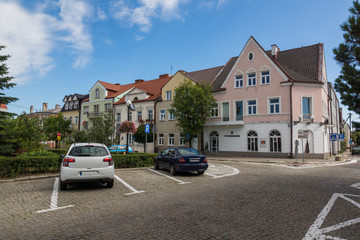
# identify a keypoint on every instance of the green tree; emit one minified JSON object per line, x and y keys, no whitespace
{"x":102,"y":129}
{"x":7,"y":142}
{"x":80,"y":136}
{"x":29,"y":132}
{"x":348,"y":55}
{"x":192,"y":106}
{"x":56,"y":124}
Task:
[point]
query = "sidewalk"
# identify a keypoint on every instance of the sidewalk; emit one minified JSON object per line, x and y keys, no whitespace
{"x":339,"y":158}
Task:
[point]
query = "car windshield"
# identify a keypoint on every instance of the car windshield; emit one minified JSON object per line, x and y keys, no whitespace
{"x":88,"y":151}
{"x":188,"y":151}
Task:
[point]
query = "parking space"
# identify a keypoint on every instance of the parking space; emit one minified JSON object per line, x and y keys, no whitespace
{"x":44,"y":195}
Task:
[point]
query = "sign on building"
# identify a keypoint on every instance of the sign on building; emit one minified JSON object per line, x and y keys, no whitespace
{"x":303,"y":133}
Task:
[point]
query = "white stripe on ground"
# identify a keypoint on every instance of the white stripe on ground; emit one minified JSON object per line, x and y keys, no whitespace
{"x":177,"y":180}
{"x":134,"y":191}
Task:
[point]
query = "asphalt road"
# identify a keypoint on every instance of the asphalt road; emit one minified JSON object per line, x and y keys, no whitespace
{"x":231,"y":201}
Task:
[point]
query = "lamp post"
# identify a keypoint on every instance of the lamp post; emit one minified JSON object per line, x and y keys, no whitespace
{"x":130,"y":107}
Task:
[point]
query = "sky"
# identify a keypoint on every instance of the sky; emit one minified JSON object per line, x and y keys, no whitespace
{"x":62,"y":47}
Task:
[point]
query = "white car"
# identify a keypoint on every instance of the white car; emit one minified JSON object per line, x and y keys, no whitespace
{"x":87,"y":162}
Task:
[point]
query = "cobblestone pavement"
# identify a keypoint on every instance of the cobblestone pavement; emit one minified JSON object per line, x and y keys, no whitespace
{"x":235,"y":200}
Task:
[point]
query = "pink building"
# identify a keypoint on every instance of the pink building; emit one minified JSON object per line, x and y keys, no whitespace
{"x":268,"y":98}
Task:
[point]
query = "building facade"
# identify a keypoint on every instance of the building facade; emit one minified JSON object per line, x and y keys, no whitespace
{"x":72,"y":109}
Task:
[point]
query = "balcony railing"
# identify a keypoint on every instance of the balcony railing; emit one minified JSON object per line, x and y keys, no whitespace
{"x":94,"y":114}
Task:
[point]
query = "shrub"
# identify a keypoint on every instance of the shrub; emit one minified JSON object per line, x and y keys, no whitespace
{"x":133,"y":160}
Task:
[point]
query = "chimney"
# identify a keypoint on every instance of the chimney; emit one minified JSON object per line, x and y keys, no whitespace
{"x":57,"y":106}
{"x":44,"y":107}
{"x":139,"y":80}
{"x":274,"y":50}
{"x":163,"y":76}
{"x":31,"y":109}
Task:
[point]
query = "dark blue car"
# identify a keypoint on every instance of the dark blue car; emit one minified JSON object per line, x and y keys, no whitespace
{"x":181,"y":160}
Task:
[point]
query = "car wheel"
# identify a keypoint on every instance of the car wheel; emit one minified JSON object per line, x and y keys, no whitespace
{"x":63,"y":186}
{"x":110,"y":184}
{"x":156,"y":165}
{"x":201,"y":172}
{"x":172,"y":169}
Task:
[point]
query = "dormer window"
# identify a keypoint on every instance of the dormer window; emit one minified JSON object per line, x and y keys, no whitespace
{"x":97,"y":93}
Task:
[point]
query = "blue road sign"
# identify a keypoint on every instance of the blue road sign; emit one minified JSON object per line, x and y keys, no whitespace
{"x":333,"y":137}
{"x":341,"y":136}
{"x":147,"y":128}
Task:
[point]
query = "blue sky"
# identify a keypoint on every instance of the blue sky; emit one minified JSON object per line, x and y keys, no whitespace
{"x":62,"y":47}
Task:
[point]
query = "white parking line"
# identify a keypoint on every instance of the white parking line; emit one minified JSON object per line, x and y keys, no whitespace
{"x":235,"y":171}
{"x":134,"y":191}
{"x":54,"y":199}
{"x":356,"y":185}
{"x":177,"y":180}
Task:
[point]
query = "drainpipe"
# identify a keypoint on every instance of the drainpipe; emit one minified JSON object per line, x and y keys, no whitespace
{"x":291,"y":122}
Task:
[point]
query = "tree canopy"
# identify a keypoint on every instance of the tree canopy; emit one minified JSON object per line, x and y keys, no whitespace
{"x":191,"y":107}
{"x":348,"y":55}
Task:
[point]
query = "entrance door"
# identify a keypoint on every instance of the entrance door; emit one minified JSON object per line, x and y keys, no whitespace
{"x":214,"y":142}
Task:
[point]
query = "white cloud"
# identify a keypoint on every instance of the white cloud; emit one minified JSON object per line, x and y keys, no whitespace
{"x":143,"y":13}
{"x":31,"y":37}
{"x":101,"y":14}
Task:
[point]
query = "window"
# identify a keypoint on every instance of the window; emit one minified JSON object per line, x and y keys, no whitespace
{"x":265,"y":77}
{"x":71,"y":105}
{"x":76,"y":120}
{"x":86,"y":109}
{"x":86,"y":125}
{"x":306,"y":108}
{"x":66,"y":106}
{"x":182,"y":141}
{"x":118,"y":117}
{"x":252,"y":107}
{"x":252,"y":138}
{"x":239,"y":81}
{"x":70,"y":118}
{"x":275,"y":141}
{"x":131,"y":139}
{"x":162,"y":115}
{"x":130,"y":116}
{"x":274,"y":105}
{"x":251,"y":79}
{"x":76,"y":104}
{"x":168,"y":95}
{"x":171,"y":139}
{"x":161,"y":139}
{"x":96,"y":110}
{"x":215,"y":110}
{"x":97,"y":93}
{"x":251,"y":56}
{"x":107,"y":107}
{"x":139,"y":115}
{"x":225,"y":111}
{"x":239,"y":110}
{"x":171,"y":115}
{"x":150,"y":115}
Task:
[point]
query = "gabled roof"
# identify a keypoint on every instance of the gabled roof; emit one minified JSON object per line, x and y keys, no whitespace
{"x":302,"y":64}
{"x":205,"y":75}
{"x":151,"y":87}
{"x":220,"y":78}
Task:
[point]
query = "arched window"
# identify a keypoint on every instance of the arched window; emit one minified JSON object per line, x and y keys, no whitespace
{"x":275,"y":141}
{"x":214,"y":142}
{"x":136,"y":98}
{"x":97,"y":93}
{"x":252,"y":138}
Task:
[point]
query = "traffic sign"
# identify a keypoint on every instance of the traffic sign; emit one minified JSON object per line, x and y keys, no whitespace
{"x":333,"y":137}
{"x":58,"y":138}
{"x":341,"y":136}
{"x":147,"y":128}
{"x":58,"y":134}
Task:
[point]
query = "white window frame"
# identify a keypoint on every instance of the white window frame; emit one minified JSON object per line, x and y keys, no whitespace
{"x":86,"y":109}
{"x":162,"y":115}
{"x":222,"y":111}
{"x":107,"y":107}
{"x":76,"y":120}
{"x":251,"y":80}
{"x":139,"y":115}
{"x":171,"y":116}
{"x":311,"y":107}
{"x":269,"y":104}
{"x":97,"y":93}
{"x":118,"y":117}
{"x":168,"y":95}
{"x":267,"y":77}
{"x":215,"y":109}
{"x":150,"y":114}
{"x":239,"y":81}
{"x":161,"y":139}
{"x":182,"y":141}
{"x":66,"y":105}
{"x":234,"y":108}
{"x":171,"y":140}
{"x":256,"y":107}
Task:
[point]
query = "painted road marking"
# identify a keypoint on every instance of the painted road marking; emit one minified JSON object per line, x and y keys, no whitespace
{"x":356,"y":185}
{"x":306,"y":165}
{"x":177,"y":180}
{"x":54,"y":199}
{"x":134,"y":191}
{"x":316,"y":232}
{"x":234,"y":171}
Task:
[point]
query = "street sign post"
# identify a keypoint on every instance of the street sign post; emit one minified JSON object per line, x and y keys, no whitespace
{"x":333,"y":137}
{"x":341,"y":137}
{"x":147,"y":130}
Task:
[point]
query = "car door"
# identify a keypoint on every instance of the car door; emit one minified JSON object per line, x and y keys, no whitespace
{"x":170,"y":158}
{"x":162,"y":158}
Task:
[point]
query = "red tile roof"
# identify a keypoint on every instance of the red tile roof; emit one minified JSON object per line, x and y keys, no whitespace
{"x":3,"y":106}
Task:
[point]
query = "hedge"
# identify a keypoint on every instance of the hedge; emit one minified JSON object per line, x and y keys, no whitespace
{"x":13,"y":166}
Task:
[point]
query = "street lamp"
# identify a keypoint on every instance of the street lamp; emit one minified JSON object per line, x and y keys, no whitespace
{"x":130,"y":107}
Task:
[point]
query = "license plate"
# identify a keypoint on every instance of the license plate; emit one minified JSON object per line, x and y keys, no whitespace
{"x":194,"y":160}
{"x":88,"y":173}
